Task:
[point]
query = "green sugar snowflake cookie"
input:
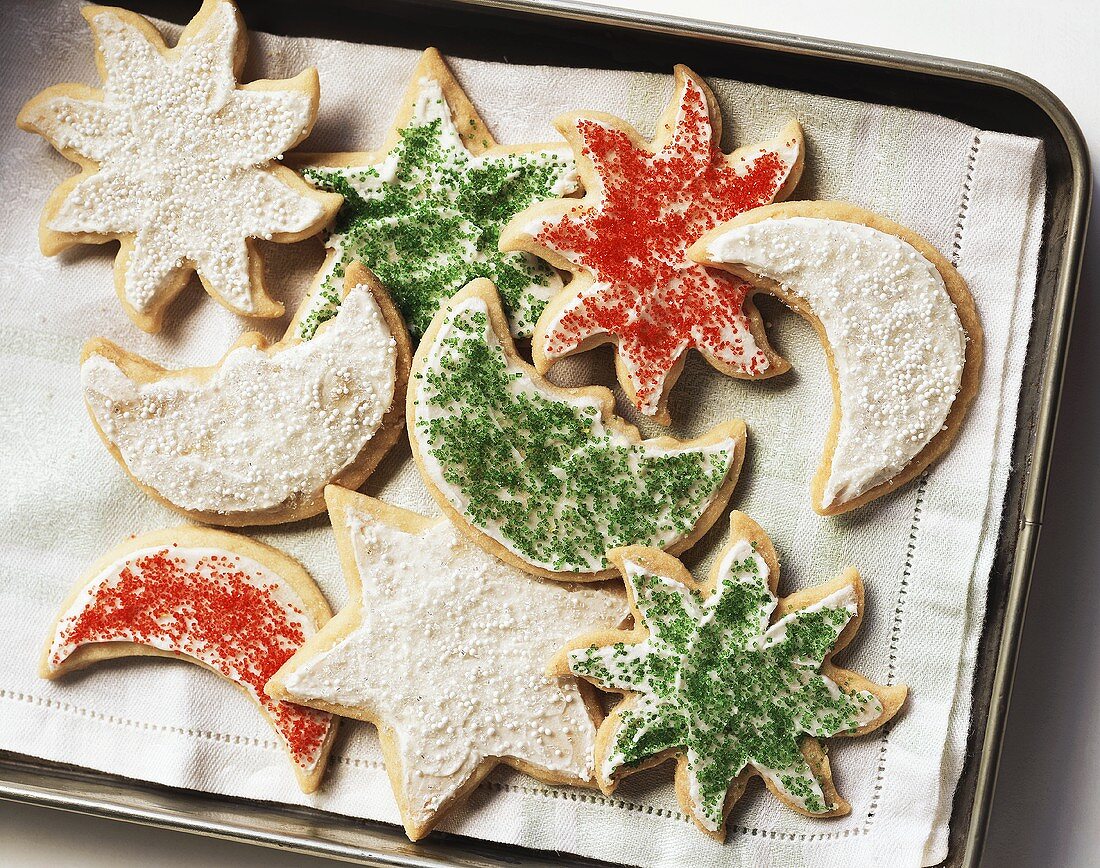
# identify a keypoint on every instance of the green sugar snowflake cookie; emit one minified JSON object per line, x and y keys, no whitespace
{"x":731,"y":680}
{"x":425,"y":212}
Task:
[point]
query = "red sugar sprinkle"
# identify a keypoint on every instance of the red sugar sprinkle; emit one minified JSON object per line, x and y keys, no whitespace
{"x":213,"y":613}
{"x":654,"y":206}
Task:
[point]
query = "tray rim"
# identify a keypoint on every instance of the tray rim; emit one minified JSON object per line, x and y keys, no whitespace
{"x":14,"y":785}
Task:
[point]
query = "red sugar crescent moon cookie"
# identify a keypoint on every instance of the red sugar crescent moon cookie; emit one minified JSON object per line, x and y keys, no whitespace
{"x":225,"y":602}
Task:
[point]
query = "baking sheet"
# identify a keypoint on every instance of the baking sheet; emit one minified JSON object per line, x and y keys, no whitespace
{"x":489,"y":113}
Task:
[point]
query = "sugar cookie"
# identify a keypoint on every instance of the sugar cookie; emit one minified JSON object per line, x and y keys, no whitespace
{"x":899,"y":328}
{"x":730,"y":680}
{"x":225,"y":602}
{"x":443,"y":647}
{"x":425,"y":211}
{"x":177,"y":161}
{"x":544,"y":477}
{"x":255,"y":438}
{"x":626,"y":243}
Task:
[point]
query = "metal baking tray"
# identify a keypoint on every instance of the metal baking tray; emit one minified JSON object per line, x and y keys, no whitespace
{"x":583,"y":34}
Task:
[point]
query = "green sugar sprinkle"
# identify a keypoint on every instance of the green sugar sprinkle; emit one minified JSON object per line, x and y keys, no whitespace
{"x":542,"y":474}
{"x":434,"y":226}
{"x":712,"y":684}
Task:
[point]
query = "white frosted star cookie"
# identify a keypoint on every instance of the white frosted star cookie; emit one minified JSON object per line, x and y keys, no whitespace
{"x":256,"y":438}
{"x":730,"y":680}
{"x":425,"y":211}
{"x":178,"y":162}
{"x":443,"y":647}
{"x":899,"y":327}
{"x":549,"y":478}
{"x":231,"y":605}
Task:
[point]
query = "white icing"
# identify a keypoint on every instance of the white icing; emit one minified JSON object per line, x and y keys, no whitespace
{"x":265,"y":430}
{"x":183,"y":158}
{"x":205,"y":560}
{"x":451,"y":654}
{"x":895,"y":336}
{"x":843,"y":598}
{"x":522,"y":383}
{"x":431,"y":106}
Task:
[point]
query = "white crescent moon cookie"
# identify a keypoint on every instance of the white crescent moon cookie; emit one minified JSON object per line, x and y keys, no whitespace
{"x":544,"y":477}
{"x":177,"y":161}
{"x":898,"y":324}
{"x":256,"y":438}
{"x":443,"y":647}
{"x":225,"y":602}
{"x":729,"y":680}
{"x":626,"y":244}
{"x":425,"y":211}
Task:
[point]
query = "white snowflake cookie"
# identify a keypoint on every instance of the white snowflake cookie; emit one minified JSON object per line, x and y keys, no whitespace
{"x":177,"y":161}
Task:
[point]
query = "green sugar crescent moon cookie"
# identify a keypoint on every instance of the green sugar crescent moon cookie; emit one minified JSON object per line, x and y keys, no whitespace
{"x":425,"y":211}
{"x":219,"y":600}
{"x":178,"y":162}
{"x":730,"y":680}
{"x":549,"y":478}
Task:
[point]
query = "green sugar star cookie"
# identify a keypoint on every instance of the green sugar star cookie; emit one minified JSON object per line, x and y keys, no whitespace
{"x":425,"y":213}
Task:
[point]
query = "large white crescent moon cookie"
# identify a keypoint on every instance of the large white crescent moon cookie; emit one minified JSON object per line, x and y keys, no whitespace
{"x":443,"y":647}
{"x":256,"y":438}
{"x":225,"y":602}
{"x":549,"y":478}
{"x":898,"y":324}
{"x":178,"y":161}
{"x":729,"y":679}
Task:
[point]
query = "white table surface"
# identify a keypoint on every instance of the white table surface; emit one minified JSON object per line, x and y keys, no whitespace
{"x":1047,"y":808}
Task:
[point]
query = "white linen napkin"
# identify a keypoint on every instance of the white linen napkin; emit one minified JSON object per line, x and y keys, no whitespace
{"x":925,"y":551}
